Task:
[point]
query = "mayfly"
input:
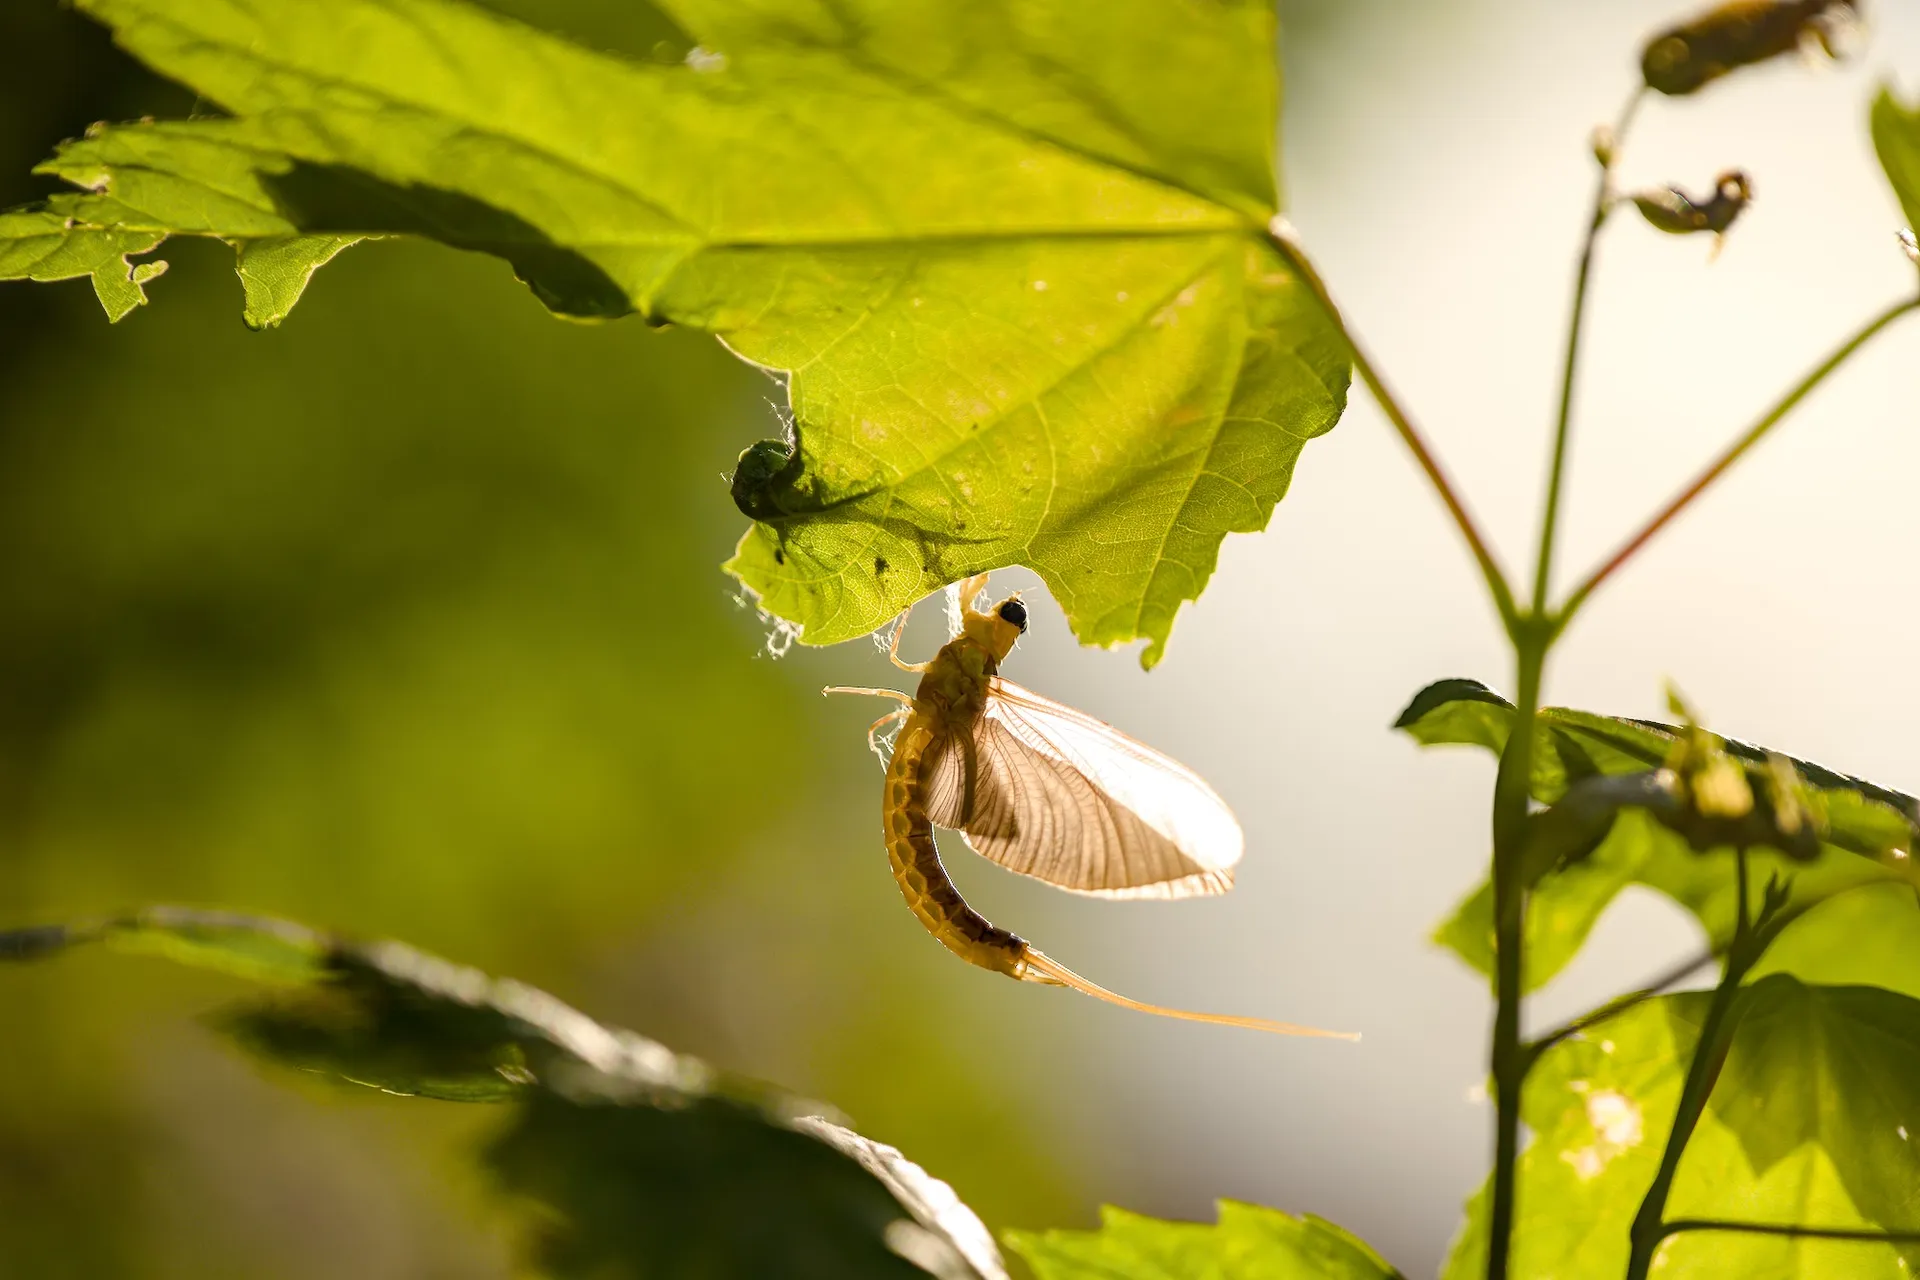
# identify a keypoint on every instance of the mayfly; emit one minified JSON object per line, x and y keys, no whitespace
{"x":1043,"y":790}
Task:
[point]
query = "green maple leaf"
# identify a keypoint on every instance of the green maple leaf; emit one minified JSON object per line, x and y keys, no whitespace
{"x":1011,"y":258}
{"x":641,"y":1160}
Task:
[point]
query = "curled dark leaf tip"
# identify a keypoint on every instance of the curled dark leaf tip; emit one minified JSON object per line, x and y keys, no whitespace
{"x":1673,"y":211}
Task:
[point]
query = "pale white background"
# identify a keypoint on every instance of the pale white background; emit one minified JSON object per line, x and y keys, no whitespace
{"x":1437,"y":167}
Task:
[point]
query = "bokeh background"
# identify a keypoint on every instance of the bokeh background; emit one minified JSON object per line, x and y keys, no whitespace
{"x":405,"y":619}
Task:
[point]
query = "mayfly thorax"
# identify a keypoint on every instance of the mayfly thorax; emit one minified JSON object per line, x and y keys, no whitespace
{"x":1045,"y":791}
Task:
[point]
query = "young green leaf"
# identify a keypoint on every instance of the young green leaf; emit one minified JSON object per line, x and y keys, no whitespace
{"x":41,"y":244}
{"x":1807,"y":1126}
{"x":1868,"y":936}
{"x":1248,"y":1241}
{"x":275,"y":271}
{"x":1896,"y":136}
{"x":1012,"y":257}
{"x":643,"y":1161}
{"x":1867,"y":829}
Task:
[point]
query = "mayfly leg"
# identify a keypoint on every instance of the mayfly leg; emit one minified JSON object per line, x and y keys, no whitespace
{"x":971,"y":588}
{"x":895,"y":694}
{"x":873,"y":731}
{"x":893,"y":644}
{"x":905,"y":710}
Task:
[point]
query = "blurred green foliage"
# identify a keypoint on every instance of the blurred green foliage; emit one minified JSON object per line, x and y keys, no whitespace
{"x":620,"y":1158}
{"x":404,"y":619}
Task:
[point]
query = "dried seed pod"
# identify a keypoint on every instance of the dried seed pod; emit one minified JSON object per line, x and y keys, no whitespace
{"x":1675,"y":212}
{"x":1740,"y":33}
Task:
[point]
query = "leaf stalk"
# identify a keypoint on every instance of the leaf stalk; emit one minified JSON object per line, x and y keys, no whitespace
{"x":1613,"y":1008}
{"x":1286,"y":242}
{"x":1679,"y":1225}
{"x":1732,"y":454}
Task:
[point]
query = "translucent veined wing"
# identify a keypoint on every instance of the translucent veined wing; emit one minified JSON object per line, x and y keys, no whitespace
{"x":1068,"y":799}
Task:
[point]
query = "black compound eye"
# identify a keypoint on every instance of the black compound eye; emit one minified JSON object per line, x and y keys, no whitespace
{"x":1013,"y":611}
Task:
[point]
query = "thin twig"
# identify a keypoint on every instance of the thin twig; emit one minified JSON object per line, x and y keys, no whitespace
{"x":1733,"y":453}
{"x":1603,"y":200}
{"x":1621,"y":1003}
{"x":1286,"y":242}
{"x":1762,"y":937}
{"x":1679,"y":1225}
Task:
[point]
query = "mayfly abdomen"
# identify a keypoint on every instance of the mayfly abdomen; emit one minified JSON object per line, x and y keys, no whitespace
{"x":917,"y":868}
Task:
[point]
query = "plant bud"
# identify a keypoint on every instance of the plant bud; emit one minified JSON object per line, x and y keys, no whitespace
{"x":1719,"y":804}
{"x":1741,"y":33}
{"x":1603,"y":143}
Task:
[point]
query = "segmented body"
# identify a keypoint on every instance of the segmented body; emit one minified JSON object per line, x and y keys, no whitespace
{"x":917,"y":868}
{"x":951,"y":694}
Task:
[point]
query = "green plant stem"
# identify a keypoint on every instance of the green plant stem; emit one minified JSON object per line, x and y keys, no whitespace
{"x":1679,"y":1225}
{"x":1512,"y":802}
{"x":1709,"y":1056}
{"x":1532,"y":634}
{"x":1719,"y":466}
{"x":1602,"y":205}
{"x":1286,"y":242}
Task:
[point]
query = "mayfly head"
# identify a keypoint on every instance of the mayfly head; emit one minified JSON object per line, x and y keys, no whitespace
{"x":997,"y":629}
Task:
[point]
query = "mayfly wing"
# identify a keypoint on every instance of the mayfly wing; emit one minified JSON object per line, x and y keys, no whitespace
{"x":1069,"y":799}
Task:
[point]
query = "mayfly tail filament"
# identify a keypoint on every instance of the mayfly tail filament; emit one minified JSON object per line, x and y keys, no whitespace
{"x":1037,"y":966}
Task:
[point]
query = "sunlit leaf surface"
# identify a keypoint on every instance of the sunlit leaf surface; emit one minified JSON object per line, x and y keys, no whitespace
{"x":1248,"y":1241}
{"x":645,"y":1162}
{"x":1809,"y":1125}
{"x":43,"y":244}
{"x":1010,"y":258}
{"x":1870,"y":828}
